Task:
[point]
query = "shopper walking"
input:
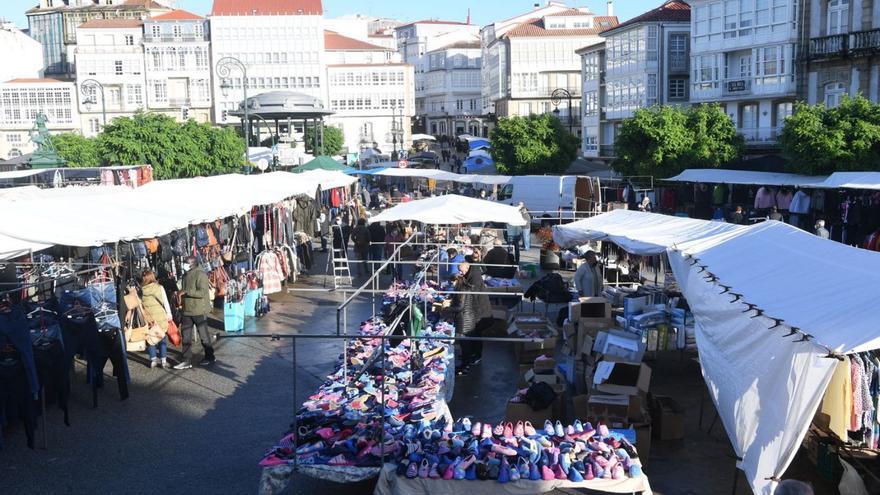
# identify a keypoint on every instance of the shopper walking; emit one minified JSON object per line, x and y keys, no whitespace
{"x":158,"y":311}
{"x":196,"y":306}
{"x":821,"y":231}
{"x":473,"y":314}
{"x":324,"y":227}
{"x":377,"y":245}
{"x":527,"y":228}
{"x":360,"y":236}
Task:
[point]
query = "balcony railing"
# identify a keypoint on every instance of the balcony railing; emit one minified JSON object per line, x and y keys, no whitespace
{"x":829,"y":46}
{"x":760,"y":135}
{"x":165,"y":38}
{"x":179,"y":102}
{"x":736,"y":86}
{"x":864,"y":41}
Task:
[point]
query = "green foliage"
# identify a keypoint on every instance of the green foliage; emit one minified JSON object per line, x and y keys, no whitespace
{"x":537,"y":144}
{"x":664,"y":140}
{"x":174,"y":150}
{"x":77,"y":150}
{"x":819,"y":141}
{"x":334,"y":141}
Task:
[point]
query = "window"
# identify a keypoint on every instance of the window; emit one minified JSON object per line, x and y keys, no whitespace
{"x":459,"y":104}
{"x":783,"y":110}
{"x":678,"y":51}
{"x":176,"y":30}
{"x":833,"y":94}
{"x":13,"y":138}
{"x":591,"y":104}
{"x":157,"y":59}
{"x":135,"y":94}
{"x":115,"y":97}
{"x":197,"y":30}
{"x":591,"y":66}
{"x":94,"y":125}
{"x":129,"y":40}
{"x":525,"y":109}
{"x":677,"y":89}
{"x":160,"y":91}
{"x":201,"y":59}
{"x":651,"y":93}
{"x":706,"y":72}
{"x":838,"y":17}
{"x":117,"y":64}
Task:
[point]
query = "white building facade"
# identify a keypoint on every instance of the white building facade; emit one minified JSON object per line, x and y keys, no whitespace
{"x":451,"y":91}
{"x":22,"y":55}
{"x":282,"y":48}
{"x":844,"y":43}
{"x":177,"y":60}
{"x":20,"y":102}
{"x":642,"y":62}
{"x":428,"y":45}
{"x":371,"y":93}
{"x":528,"y":57}
{"x":110,"y":52}
{"x":744,"y":55}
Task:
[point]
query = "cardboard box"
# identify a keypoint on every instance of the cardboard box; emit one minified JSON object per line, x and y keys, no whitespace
{"x":548,"y":364}
{"x":627,"y":379}
{"x":591,"y":328}
{"x":589,"y":307}
{"x":668,"y":418}
{"x":619,"y":345}
{"x":526,"y":352}
{"x":608,"y":408}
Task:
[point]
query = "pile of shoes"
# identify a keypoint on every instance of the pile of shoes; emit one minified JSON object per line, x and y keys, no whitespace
{"x":468,"y":450}
{"x":424,"y":292}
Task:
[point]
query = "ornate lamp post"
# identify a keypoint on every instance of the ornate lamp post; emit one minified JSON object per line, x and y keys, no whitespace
{"x":556,"y":98}
{"x":88,"y":89}
{"x":224,"y":68}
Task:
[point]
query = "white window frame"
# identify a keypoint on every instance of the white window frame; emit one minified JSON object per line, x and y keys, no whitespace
{"x":837,"y":18}
{"x":834,"y":94}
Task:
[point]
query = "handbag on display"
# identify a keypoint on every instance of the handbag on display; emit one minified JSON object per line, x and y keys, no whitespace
{"x":135,"y":330}
{"x":173,"y":333}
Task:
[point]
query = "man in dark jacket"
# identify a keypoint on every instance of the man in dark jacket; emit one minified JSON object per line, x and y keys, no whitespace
{"x":360,"y":236}
{"x":196,"y":306}
{"x":377,"y":244}
{"x":499,"y":256}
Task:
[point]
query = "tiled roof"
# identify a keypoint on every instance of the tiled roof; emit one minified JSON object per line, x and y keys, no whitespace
{"x":267,"y":7}
{"x":673,"y":11}
{"x":177,"y":15}
{"x":30,"y":80}
{"x":436,"y":21}
{"x":569,"y":12}
{"x":112,"y":23}
{"x":535,"y":27}
{"x":336,"y":41}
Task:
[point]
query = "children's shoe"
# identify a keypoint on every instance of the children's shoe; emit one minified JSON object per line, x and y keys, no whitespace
{"x":508,"y":430}
{"x":588,"y":472}
{"x":413,"y":470}
{"x":424,"y":469}
{"x":433,"y":473}
{"x":635,"y":471}
{"x":569,"y":430}
{"x":617,"y":473}
{"x":574,"y":476}
{"x":528,"y":429}
{"x":504,"y":471}
{"x":548,"y":428}
{"x":547,"y":474}
{"x":515,"y":475}
{"x":476,"y":428}
{"x":487,"y":431}
{"x":559,"y":430}
{"x":603,"y":430}
{"x":578,"y":426}
{"x":534,"y":472}
{"x":451,"y":470}
{"x":498,"y":431}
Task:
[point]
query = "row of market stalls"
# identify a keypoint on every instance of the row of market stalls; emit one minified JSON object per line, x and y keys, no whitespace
{"x":778,"y":311}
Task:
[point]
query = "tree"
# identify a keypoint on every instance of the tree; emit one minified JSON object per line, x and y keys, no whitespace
{"x":174,"y":150}
{"x":334,"y":141}
{"x":77,"y":150}
{"x":664,"y":140}
{"x":819,"y":141}
{"x":536,"y":144}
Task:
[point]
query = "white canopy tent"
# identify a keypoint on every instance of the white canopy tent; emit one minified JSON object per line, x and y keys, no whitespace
{"x":637,"y":233}
{"x":452,"y":209}
{"x":443,"y":175}
{"x":852,"y":180}
{"x":745,"y":177}
{"x":423,"y":137}
{"x":766,"y":371}
{"x":94,"y":216}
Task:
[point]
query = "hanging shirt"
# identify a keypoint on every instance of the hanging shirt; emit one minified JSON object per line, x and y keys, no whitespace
{"x":764,"y":198}
{"x":838,"y":400}
{"x":719,"y":194}
{"x":800,"y":203}
{"x":818,"y":200}
{"x":783,"y":199}
{"x":856,"y":375}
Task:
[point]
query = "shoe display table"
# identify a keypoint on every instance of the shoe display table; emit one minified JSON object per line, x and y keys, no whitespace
{"x":392,"y":484}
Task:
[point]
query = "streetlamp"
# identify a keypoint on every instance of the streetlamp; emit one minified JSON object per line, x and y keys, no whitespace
{"x":272,"y":135}
{"x":87,"y":88}
{"x":224,"y":68}
{"x":556,"y":98}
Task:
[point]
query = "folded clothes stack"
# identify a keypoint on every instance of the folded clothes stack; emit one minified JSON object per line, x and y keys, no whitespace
{"x":468,"y":450}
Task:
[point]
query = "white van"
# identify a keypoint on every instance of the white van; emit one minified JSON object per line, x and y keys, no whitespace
{"x":553,"y":196}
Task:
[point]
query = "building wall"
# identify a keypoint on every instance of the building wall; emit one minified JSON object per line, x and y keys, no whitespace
{"x":283,"y":52}
{"x":19,"y":105}
{"x":178,"y":69}
{"x":593,"y":101}
{"x":367,"y":98}
{"x":22,"y":55}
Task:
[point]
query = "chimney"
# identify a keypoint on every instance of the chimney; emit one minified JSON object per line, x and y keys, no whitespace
{"x":610,"y":8}
{"x":469,"y":17}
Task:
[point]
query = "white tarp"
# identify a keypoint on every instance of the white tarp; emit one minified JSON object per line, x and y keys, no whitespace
{"x":637,"y":232}
{"x":423,"y":137}
{"x":94,"y":216}
{"x":452,"y":209}
{"x":745,"y":177}
{"x":852,"y":180}
{"x":431,"y":173}
{"x":766,"y":384}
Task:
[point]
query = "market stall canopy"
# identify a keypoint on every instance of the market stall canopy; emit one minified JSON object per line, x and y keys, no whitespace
{"x":745,"y":177}
{"x":852,"y":180}
{"x":443,"y":175}
{"x":476,"y":143}
{"x":321,"y":163}
{"x":450,"y":210}
{"x":771,"y":303}
{"x":94,"y":216}
{"x":479,"y":163}
{"x":480,"y":152}
{"x":638,"y":232}
{"x":423,"y":137}
{"x":10,"y":247}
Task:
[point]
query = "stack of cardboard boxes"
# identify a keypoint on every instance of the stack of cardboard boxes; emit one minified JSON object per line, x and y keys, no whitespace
{"x":536,"y":364}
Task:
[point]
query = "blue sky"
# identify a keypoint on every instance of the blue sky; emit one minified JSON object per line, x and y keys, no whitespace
{"x":482,"y":11}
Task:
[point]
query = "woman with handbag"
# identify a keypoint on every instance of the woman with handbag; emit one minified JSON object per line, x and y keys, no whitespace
{"x":158,"y":313}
